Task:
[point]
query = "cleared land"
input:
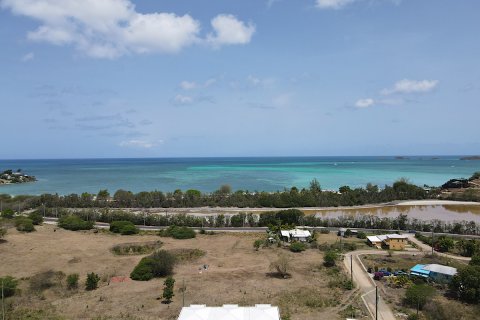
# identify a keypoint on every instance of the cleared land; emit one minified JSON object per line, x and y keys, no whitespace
{"x":236,"y":274}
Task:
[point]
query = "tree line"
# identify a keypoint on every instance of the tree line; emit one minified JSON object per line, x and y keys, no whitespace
{"x":313,"y":196}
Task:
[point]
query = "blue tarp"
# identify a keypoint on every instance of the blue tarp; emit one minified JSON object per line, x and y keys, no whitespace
{"x":419,"y":271}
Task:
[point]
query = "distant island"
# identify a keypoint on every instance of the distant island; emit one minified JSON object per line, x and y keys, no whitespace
{"x":10,"y":177}
{"x":470,"y":158}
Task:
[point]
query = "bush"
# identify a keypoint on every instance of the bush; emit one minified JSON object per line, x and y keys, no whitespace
{"x":3,"y":232}
{"x":92,"y":281}
{"x":72,"y":281}
{"x":257,"y":244}
{"x":281,"y":266}
{"x":168,"y":289}
{"x":9,"y":286}
{"x":178,"y":232}
{"x":297,"y":247}
{"x":361,"y":235}
{"x":8,"y":213}
{"x":24,"y":224}
{"x":466,"y":284}
{"x":324,"y":231}
{"x":123,"y":227}
{"x":74,"y":223}
{"x":475,"y":261}
{"x":36,"y":218}
{"x":158,"y":264}
{"x":418,"y":295}
{"x":330,"y":258}
{"x":46,"y":280}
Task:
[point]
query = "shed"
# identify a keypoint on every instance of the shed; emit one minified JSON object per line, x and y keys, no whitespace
{"x":230,"y":312}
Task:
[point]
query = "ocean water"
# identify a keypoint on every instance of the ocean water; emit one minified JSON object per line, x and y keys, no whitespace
{"x":208,"y":174}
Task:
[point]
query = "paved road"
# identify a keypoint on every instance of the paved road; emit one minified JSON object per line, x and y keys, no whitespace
{"x":363,"y":280}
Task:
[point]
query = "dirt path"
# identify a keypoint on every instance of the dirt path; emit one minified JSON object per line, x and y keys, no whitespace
{"x":363,"y":280}
{"x":427,"y":249}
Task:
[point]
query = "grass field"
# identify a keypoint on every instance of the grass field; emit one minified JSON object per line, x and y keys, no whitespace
{"x":236,"y":274}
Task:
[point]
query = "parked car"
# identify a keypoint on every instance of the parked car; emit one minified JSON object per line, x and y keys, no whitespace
{"x":377,"y":275}
{"x":385,"y":272}
{"x":400,"y":273}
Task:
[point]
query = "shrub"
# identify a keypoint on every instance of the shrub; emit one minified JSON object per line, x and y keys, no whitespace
{"x":45,"y":280}
{"x":257,"y":244}
{"x":361,"y":235}
{"x":123,"y":227}
{"x":418,"y":295}
{"x":178,"y":232}
{"x":92,"y":281}
{"x":466,"y":284}
{"x":297,"y":247}
{"x":281,"y":266}
{"x":330,"y":258}
{"x":9,"y":286}
{"x":125,"y":249}
{"x":158,"y":264}
{"x":324,"y":231}
{"x":36,"y":218}
{"x":74,"y":223}
{"x":24,"y":224}
{"x":8,"y":213}
{"x":168,"y":289}
{"x":475,"y":260}
{"x":72,"y":281}
{"x":3,"y":232}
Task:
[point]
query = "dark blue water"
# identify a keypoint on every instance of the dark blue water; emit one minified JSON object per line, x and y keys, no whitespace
{"x":208,"y":174}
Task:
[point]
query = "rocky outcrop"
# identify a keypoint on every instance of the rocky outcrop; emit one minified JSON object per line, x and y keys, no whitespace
{"x":9,"y":177}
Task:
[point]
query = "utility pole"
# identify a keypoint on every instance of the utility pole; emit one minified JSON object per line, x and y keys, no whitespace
{"x":376,"y":303}
{"x":3,"y":304}
{"x":432,"y":240}
{"x":183,"y":293}
{"x":351,"y":269}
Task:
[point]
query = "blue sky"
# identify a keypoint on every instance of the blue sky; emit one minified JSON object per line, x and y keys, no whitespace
{"x":138,"y":78}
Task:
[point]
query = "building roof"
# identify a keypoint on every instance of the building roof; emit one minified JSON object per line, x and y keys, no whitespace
{"x":438,"y":268}
{"x":297,"y":233}
{"x":373,"y":239}
{"x":419,"y":270}
{"x":230,"y":312}
{"x":396,"y":236}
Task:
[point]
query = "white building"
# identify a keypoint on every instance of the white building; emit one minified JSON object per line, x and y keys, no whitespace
{"x":295,"y":235}
{"x":230,"y":312}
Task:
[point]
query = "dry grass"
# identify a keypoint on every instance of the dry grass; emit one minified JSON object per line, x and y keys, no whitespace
{"x":237,"y":274}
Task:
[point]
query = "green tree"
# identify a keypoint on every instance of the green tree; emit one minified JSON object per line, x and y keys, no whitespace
{"x":9,"y":285}
{"x":158,"y":264}
{"x":36,"y":218}
{"x":445,"y":244}
{"x":418,"y":295}
{"x":8,"y":213}
{"x":330,"y":258}
{"x":168,"y":289}
{"x":92,"y":281}
{"x":475,"y":261}
{"x":72,"y":281}
{"x":315,"y":187}
{"x":466,"y":284}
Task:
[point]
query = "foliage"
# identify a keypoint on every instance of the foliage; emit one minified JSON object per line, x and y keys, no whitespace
{"x":475,"y":261}
{"x":159,"y":264}
{"x":186,"y":255}
{"x":444,"y":244}
{"x":330,"y":258}
{"x":178,"y":232}
{"x":361,"y":235}
{"x":281,"y":266}
{"x":466,"y":284}
{"x":297,"y":247}
{"x":257,"y":244}
{"x":418,"y":295}
{"x":74,"y":223}
{"x":324,"y":231}
{"x":8,"y":213}
{"x":3,"y":231}
{"x":168,"y":289}
{"x":123,"y":227}
{"x":46,"y":280}
{"x":92,"y":281}
{"x":72,"y":281}
{"x":9,"y":286}
{"x":126,"y":249}
{"x":24,"y":224}
{"x":36,"y":218}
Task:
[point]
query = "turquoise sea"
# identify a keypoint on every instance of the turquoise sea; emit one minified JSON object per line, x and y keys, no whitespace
{"x":208,"y":174}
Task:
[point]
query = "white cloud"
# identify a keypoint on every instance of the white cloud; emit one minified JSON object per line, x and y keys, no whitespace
{"x":181,"y":99}
{"x":28,"y":56}
{"x":264,"y":82}
{"x":144,"y":144}
{"x":111,"y":28}
{"x":364,"y":103}
{"x":190,"y":85}
{"x":411,"y":86}
{"x":229,"y":30}
{"x":282,"y":100}
{"x":333,"y":4}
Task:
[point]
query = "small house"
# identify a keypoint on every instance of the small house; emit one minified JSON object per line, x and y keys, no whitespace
{"x":295,"y":235}
{"x":437,"y":272}
{"x":389,"y":241}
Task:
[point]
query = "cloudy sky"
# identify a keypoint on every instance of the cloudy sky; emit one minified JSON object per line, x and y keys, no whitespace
{"x":144,"y":78}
